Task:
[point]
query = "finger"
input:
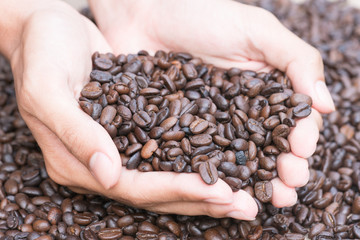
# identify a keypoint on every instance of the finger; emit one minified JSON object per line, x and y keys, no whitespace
{"x":304,"y":136}
{"x":283,"y":196}
{"x":163,"y":187}
{"x":84,"y":138}
{"x":243,"y":207}
{"x":284,"y":50}
{"x":293,"y":170}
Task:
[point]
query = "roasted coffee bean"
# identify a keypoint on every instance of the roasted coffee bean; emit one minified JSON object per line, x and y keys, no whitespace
{"x":302,"y":110}
{"x":149,"y":148}
{"x":263,"y":191}
{"x":173,"y":135}
{"x":199,"y":126}
{"x":208,"y":172}
{"x":282,"y":144}
{"x":92,"y":90}
{"x":298,"y":98}
{"x":254,"y":126}
{"x":100,"y":76}
{"x":189,"y":71}
{"x":200,"y":140}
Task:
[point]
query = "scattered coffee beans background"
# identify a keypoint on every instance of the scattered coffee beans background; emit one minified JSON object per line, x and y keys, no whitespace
{"x":32,"y":205}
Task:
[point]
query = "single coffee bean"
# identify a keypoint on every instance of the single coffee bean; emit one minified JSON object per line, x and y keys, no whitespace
{"x":149,"y":148}
{"x":200,"y":140}
{"x":302,"y":110}
{"x":263,"y":191}
{"x":92,"y":90}
{"x":298,"y":98}
{"x":208,"y":172}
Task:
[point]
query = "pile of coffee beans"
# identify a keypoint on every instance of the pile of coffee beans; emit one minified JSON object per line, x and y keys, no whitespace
{"x":172,"y":112}
{"x":32,"y":206}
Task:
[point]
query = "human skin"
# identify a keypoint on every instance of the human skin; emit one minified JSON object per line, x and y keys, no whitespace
{"x":50,"y":46}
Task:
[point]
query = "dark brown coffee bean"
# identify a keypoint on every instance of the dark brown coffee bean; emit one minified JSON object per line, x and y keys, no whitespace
{"x":100,"y":76}
{"x":239,"y":144}
{"x":220,"y":102}
{"x":254,"y":126}
{"x":110,"y":233}
{"x":54,"y":215}
{"x":208,"y":172}
{"x":263,"y":191}
{"x":281,"y":130}
{"x":103,"y":63}
{"x":92,"y":90}
{"x":298,"y":98}
{"x":277,"y":98}
{"x":201,"y":140}
{"x":149,"y":148}
{"x":142,"y":119}
{"x":173,"y":135}
{"x":221,"y":141}
{"x":229,"y":169}
{"x":302,"y":110}
{"x":189,"y":71}
{"x":282,"y":144}
{"x":329,"y":219}
{"x":199,"y":126}
{"x":186,"y":120}
{"x":316,"y":229}
{"x":107,"y":115}
{"x":244,"y":172}
{"x":168,"y":123}
{"x":41,"y":225}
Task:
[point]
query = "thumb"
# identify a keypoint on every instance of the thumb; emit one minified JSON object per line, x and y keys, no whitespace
{"x":87,"y":140}
{"x":282,"y":49}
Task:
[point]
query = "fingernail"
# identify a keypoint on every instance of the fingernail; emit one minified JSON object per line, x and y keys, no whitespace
{"x":324,"y":94}
{"x":101,"y":168}
{"x":240,"y":215}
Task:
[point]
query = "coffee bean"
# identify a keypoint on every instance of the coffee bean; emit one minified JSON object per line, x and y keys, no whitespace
{"x":199,"y":126}
{"x":298,"y":98}
{"x":149,"y":148}
{"x":107,"y":115}
{"x":220,"y":102}
{"x":100,"y":76}
{"x":208,"y":172}
{"x":173,"y":135}
{"x":302,"y":110}
{"x":263,"y":191}
{"x":92,"y":90}
{"x":282,"y":144}
{"x":200,"y":140}
{"x":254,"y":126}
{"x":110,"y":233}
{"x":103,"y":63}
{"x":189,"y":71}
{"x":221,"y":141}
{"x":41,"y":225}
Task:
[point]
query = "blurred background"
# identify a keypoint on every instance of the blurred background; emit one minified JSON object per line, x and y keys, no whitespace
{"x":83,"y":3}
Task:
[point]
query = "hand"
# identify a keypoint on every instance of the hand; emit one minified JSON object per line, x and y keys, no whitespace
{"x":51,"y":61}
{"x":228,"y":34}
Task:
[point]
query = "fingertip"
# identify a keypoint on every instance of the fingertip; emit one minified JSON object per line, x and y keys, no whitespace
{"x":323,"y":100}
{"x":246,"y":207}
{"x":293,"y":170}
{"x":105,"y":170}
{"x":303,"y":137}
{"x":283,"y":196}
